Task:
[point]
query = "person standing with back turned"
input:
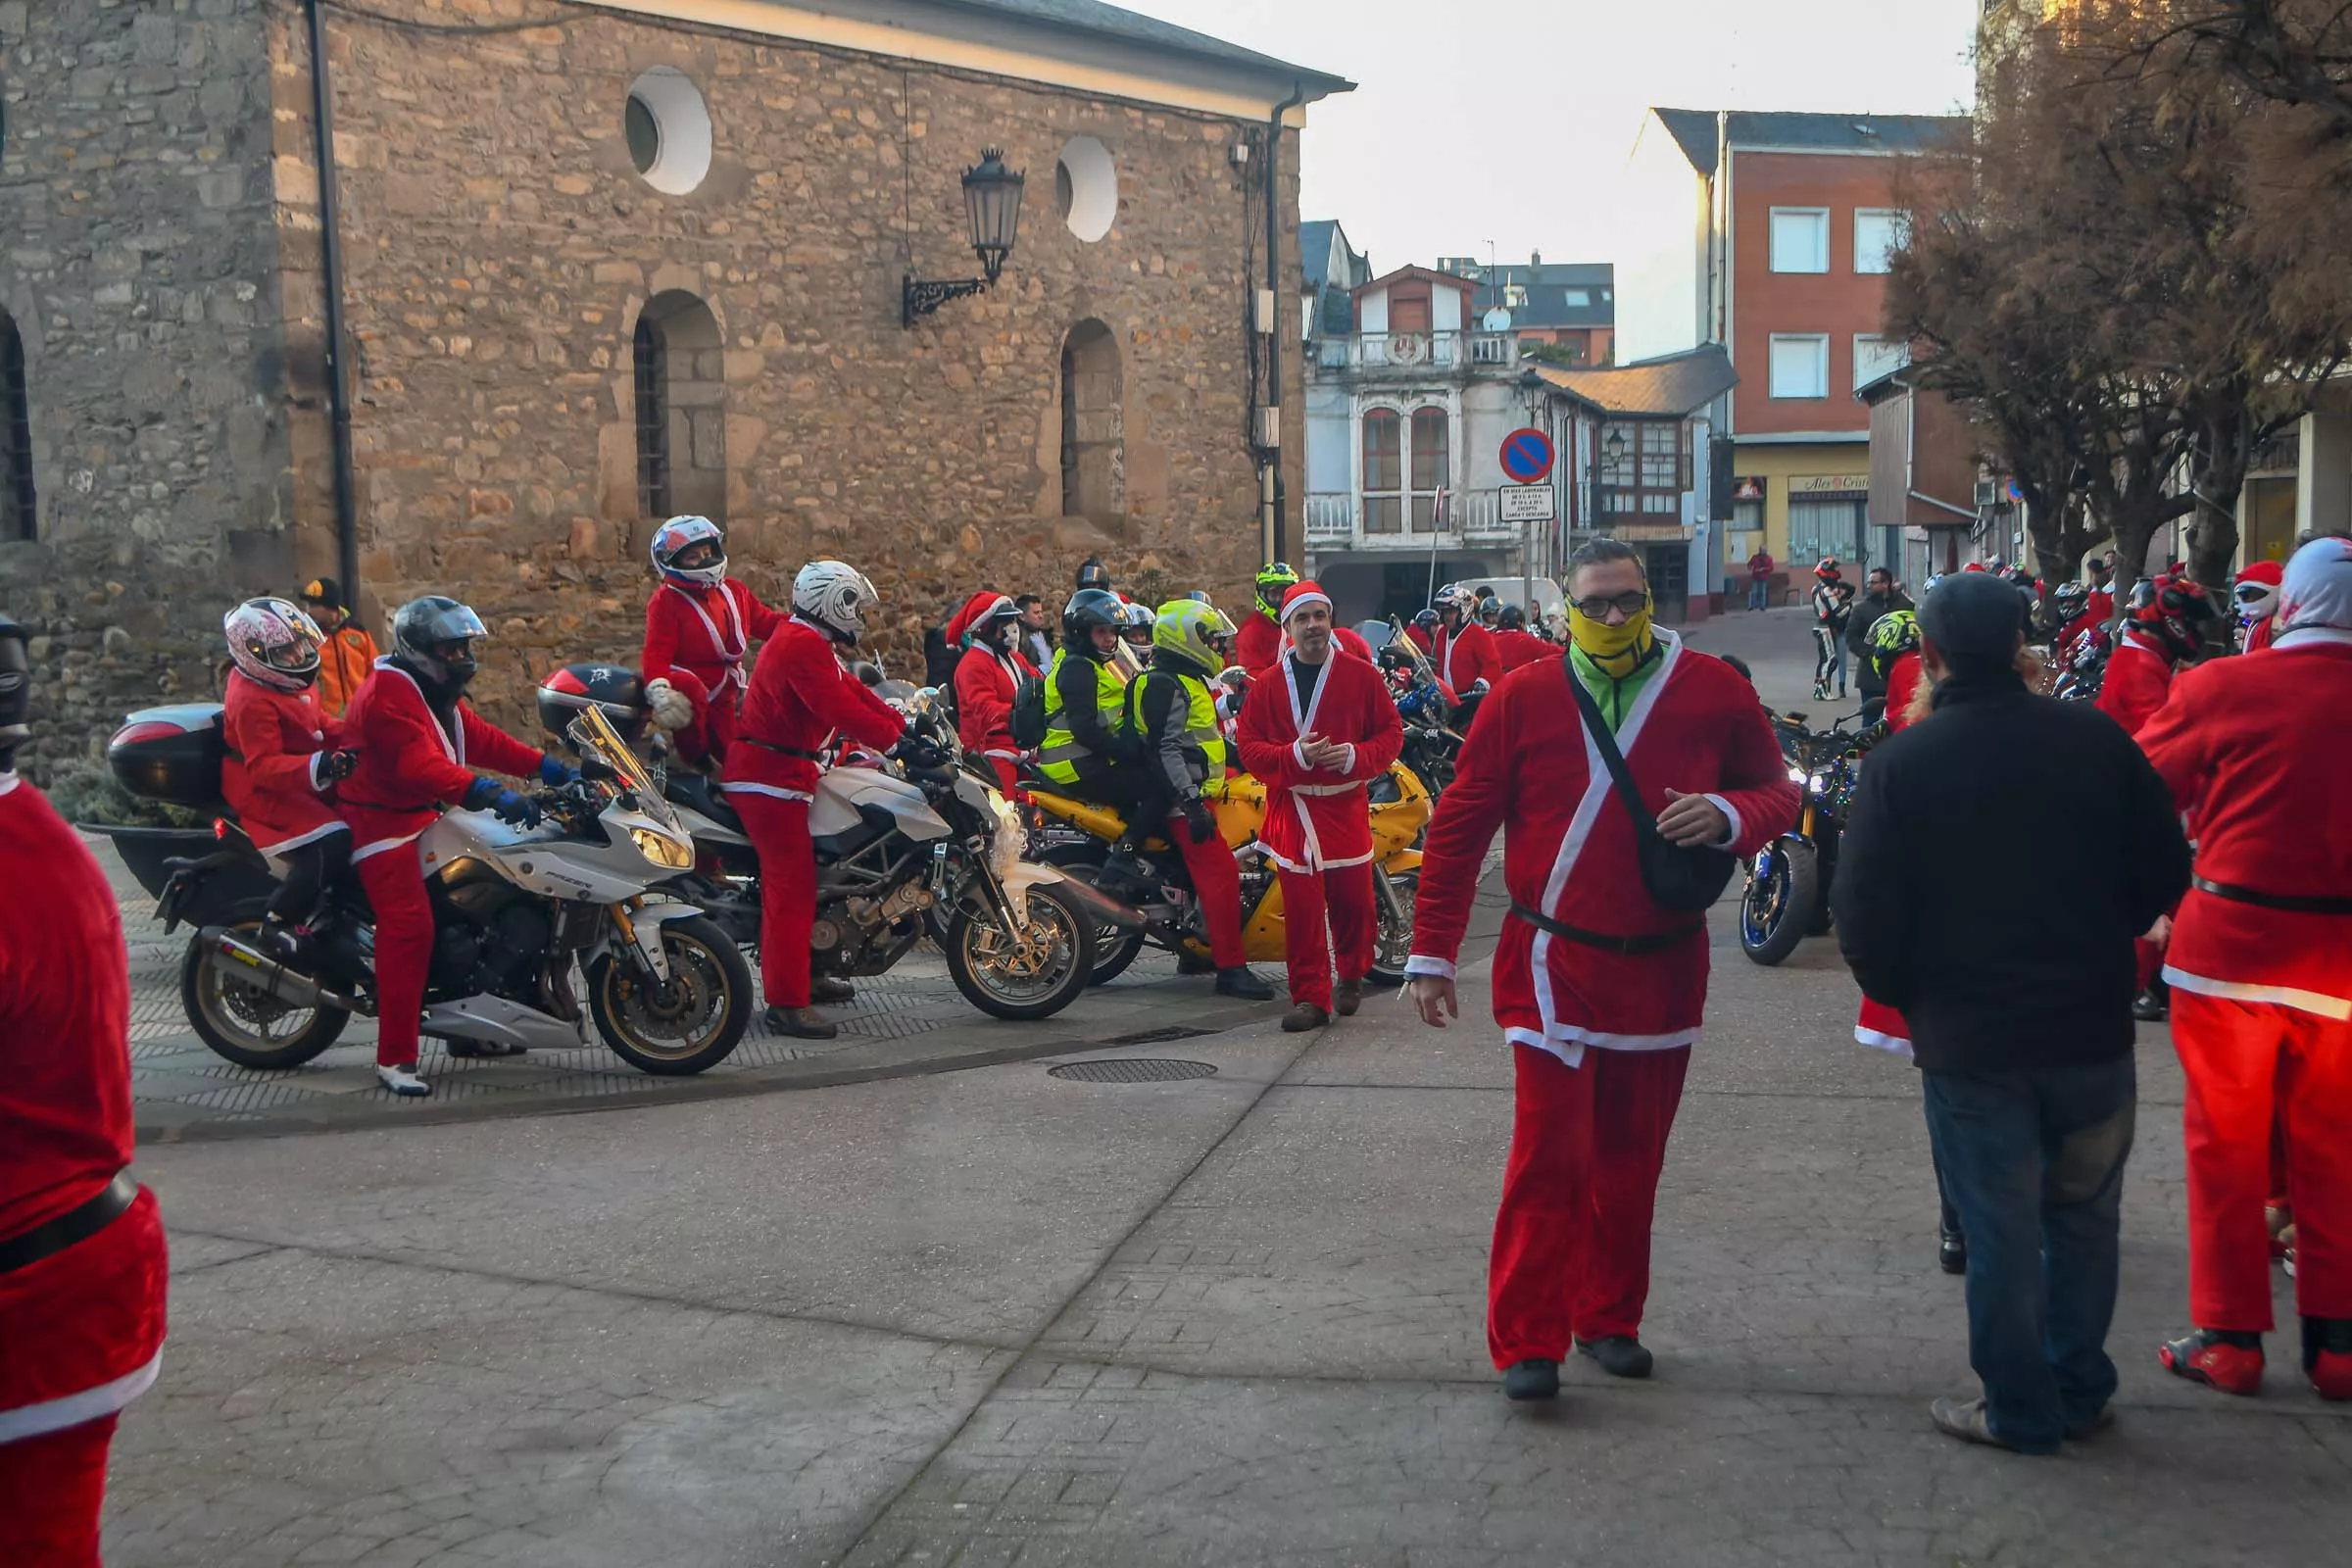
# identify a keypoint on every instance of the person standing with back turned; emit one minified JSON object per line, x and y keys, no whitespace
{"x":2028,"y":1085}
{"x":1599,"y":986}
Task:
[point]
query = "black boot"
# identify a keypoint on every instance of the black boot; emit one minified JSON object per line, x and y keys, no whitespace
{"x":1620,"y":1356}
{"x":1239,"y":982}
{"x":831,"y":990}
{"x":2154,"y":1005}
{"x":1532,"y":1380}
{"x":800,"y":1023}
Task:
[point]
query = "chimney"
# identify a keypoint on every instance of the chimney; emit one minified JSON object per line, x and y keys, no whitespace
{"x":1535,"y":259}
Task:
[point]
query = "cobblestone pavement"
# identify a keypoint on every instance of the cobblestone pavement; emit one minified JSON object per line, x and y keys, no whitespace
{"x":1004,"y":1317}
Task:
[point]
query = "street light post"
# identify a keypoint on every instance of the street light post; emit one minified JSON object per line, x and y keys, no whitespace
{"x":991,"y":203}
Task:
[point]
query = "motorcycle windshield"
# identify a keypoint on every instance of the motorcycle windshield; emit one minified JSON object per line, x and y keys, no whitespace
{"x":590,"y":731}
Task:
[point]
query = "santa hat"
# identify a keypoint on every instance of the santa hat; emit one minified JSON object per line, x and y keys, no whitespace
{"x":1306,"y":591}
{"x":980,"y":607}
{"x":2268,"y":572}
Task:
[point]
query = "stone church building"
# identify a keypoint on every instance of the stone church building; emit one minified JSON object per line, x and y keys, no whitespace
{"x":602,"y":261}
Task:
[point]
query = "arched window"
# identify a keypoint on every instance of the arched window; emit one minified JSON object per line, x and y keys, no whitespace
{"x":1094,"y":426}
{"x":1430,"y":467}
{"x":1384,"y":472}
{"x":681,"y":394}
{"x":18,"y":518}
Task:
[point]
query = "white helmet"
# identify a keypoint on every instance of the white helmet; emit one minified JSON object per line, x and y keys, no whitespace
{"x":681,"y":534}
{"x":274,"y":643}
{"x":834,"y":598}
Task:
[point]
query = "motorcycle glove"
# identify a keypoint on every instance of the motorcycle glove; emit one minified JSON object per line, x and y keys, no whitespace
{"x":916,"y":752}
{"x":487,"y":794}
{"x":556,"y":774}
{"x":336,"y":765}
{"x":1197,"y":821}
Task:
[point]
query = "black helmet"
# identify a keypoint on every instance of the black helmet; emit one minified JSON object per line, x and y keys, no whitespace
{"x":422,"y":627}
{"x":1087,"y":609}
{"x":15,"y":691}
{"x":2070,"y":598}
{"x":1094,"y":574}
{"x":1512,"y":618}
{"x":613,"y":689}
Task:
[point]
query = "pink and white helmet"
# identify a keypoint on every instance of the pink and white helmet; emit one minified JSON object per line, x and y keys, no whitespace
{"x":274,"y":643}
{"x":682,"y":534}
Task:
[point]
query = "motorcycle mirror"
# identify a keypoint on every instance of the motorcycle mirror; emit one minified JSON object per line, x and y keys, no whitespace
{"x":868,"y":674}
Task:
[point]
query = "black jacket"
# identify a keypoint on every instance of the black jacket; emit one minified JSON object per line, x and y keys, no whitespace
{"x":1867,"y":611}
{"x":2000,"y":963}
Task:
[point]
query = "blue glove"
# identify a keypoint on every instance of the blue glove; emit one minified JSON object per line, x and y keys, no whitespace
{"x":502,"y":802}
{"x":556,"y":774}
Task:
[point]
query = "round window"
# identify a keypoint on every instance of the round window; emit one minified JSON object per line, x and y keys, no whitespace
{"x":1085,"y":188}
{"x":667,"y":128}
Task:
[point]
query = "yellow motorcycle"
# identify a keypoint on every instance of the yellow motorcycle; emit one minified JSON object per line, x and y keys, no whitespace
{"x":1077,"y":837}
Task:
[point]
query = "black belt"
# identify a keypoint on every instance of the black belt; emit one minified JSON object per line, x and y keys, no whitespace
{"x":2288,"y":903}
{"x":1629,"y":947}
{"x":77,"y":1224}
{"x":803,"y":755}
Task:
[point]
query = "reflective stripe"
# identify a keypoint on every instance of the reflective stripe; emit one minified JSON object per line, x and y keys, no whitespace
{"x":1058,"y":757}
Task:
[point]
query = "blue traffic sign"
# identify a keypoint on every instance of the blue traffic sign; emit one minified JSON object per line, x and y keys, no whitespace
{"x":1526,"y":456}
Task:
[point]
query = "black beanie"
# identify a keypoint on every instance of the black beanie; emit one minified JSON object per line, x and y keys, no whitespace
{"x":1974,"y":618}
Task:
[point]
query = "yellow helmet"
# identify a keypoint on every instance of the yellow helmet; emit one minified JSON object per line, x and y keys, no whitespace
{"x":1193,"y":631}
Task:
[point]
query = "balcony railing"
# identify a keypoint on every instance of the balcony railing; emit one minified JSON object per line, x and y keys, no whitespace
{"x":1408,"y":352}
{"x":1334,"y":521}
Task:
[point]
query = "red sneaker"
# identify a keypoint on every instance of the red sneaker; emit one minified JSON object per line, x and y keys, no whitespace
{"x":2331,"y":1375}
{"x":2217,"y":1357}
{"x":2327,"y":1355}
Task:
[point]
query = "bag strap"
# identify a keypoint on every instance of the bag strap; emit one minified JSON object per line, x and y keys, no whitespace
{"x":1611,"y":757}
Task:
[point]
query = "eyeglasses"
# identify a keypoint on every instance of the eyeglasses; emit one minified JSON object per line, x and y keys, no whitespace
{"x":1597,"y":606}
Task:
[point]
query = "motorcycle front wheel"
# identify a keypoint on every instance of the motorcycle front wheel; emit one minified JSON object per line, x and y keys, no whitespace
{"x":1392,"y":942}
{"x":242,"y":1023}
{"x":691,"y":1022}
{"x":1026,"y":976}
{"x":1777,"y":903}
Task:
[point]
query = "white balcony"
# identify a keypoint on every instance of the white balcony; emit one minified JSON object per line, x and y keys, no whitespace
{"x":1418,"y":353}
{"x":1335,"y":521}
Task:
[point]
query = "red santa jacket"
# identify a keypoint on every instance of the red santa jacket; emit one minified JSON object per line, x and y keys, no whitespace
{"x":801,"y":696}
{"x":1318,"y":817}
{"x":1515,"y":648}
{"x":2139,"y":676}
{"x":409,"y":766}
{"x":1902,"y":684}
{"x":1258,"y":643}
{"x":985,"y":683}
{"x":2260,"y":635}
{"x":81,"y":1331}
{"x":2268,"y":791}
{"x":270,"y":777}
{"x":706,"y":631}
{"x":1463,"y":657}
{"x":1568,"y":848}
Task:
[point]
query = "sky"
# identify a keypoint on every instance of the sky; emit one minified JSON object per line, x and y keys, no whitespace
{"x":1508,"y":121}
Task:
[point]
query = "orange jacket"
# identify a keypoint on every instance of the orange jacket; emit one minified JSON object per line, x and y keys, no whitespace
{"x":344,"y":661}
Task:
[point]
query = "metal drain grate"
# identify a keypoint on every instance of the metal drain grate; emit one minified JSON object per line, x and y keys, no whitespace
{"x":1133,"y":1070}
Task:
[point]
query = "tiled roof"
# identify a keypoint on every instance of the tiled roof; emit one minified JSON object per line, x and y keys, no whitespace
{"x":1129,"y":27}
{"x":1548,"y":288}
{"x":1672,"y":385}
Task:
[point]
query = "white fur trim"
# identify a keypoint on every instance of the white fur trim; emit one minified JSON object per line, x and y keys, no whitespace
{"x":452,"y":748}
{"x":2311,"y":637}
{"x":287,"y":846}
{"x":74,"y":1409}
{"x":1349,"y":765}
{"x":731,"y":658}
{"x":775,"y":790}
{"x":379,"y":846}
{"x":1879,"y":1039}
{"x":7,"y":782}
{"x":1291,"y":606}
{"x":1423,"y":963}
{"x":1569,"y":1043}
{"x":2317,"y":1002}
{"x":1732,"y":836}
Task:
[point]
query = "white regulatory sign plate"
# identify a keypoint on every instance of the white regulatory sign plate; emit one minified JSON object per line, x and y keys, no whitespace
{"x":1527,"y":503}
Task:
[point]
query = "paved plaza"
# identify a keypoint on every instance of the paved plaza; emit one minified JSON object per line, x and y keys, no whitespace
{"x":1005,"y":1316}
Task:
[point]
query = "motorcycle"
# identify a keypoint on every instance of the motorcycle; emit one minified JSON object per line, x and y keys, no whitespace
{"x":1434,"y":720}
{"x":904,"y":852}
{"x":514,"y":909}
{"x":1153,"y":895}
{"x":1786,"y":897}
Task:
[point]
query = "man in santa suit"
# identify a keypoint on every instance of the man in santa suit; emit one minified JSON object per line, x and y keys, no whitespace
{"x":699,"y":628}
{"x":1461,"y":651}
{"x":2256,"y":593}
{"x":282,"y":761}
{"x":1316,"y":729}
{"x":83,"y":1261}
{"x":987,"y":677}
{"x":1598,"y":987}
{"x":1259,"y":641}
{"x":2260,"y":965}
{"x":1515,"y":644}
{"x":2162,"y":634}
{"x":419,"y":744}
{"x":802,"y":696}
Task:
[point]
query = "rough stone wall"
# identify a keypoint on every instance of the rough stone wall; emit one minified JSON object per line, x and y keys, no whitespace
{"x":138,"y":256}
{"x":501,"y":245}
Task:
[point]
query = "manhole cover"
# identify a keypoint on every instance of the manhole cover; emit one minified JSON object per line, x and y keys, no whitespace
{"x":1133,"y":1070}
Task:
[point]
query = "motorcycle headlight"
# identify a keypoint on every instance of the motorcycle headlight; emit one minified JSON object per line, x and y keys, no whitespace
{"x":1818,"y":782}
{"x":1796,"y":776}
{"x":671,"y":855}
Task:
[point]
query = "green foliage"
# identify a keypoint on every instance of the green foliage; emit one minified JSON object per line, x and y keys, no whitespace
{"x":83,"y":791}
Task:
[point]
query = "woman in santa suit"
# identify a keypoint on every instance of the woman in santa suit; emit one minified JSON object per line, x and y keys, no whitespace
{"x":83,"y":1261}
{"x":419,"y":744}
{"x":699,"y":628}
{"x":282,"y":763}
{"x":988,"y":628}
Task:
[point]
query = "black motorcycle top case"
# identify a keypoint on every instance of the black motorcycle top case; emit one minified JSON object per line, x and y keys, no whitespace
{"x":170,"y":754}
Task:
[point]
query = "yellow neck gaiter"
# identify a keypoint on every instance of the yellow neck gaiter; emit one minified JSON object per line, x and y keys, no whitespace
{"x":1617,"y":649}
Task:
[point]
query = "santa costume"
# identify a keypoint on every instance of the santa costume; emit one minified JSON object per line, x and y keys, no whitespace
{"x":1462,"y":655}
{"x":2256,"y":592}
{"x":987,"y":678}
{"x":699,"y":628}
{"x":1515,"y":646}
{"x":280,"y":765}
{"x":1598,"y":987}
{"x":82,"y":1259}
{"x":1318,"y":821}
{"x":2260,"y":966}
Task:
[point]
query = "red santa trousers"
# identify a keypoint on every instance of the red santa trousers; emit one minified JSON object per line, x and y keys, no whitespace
{"x":1217,"y":884}
{"x":404,"y":947}
{"x":2248,"y":1063}
{"x":51,"y":1490}
{"x":1572,"y":1236}
{"x":712,"y":731}
{"x":1328,"y":918}
{"x":779,"y":831}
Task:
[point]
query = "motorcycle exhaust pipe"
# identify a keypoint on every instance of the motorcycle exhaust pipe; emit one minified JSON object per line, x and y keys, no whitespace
{"x":1102,"y":905}
{"x":240,"y":960}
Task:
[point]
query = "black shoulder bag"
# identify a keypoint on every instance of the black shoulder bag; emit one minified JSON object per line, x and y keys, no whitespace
{"x":1679,"y":877}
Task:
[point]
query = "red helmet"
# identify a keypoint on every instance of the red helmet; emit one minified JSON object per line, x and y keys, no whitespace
{"x":615,"y":689}
{"x":2176,"y":614}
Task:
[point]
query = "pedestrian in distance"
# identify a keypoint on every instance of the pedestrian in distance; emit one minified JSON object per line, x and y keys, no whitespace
{"x":83,"y":1261}
{"x":1880,"y":596}
{"x":2028,"y":1085}
{"x":1037,"y":635}
{"x":1760,"y":568}
{"x":1600,"y":977}
{"x":346,"y":653}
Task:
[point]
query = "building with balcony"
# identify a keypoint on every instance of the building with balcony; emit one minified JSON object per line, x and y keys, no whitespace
{"x":1564,"y":313}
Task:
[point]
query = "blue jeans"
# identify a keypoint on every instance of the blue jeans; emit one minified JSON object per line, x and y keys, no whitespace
{"x":1759,"y":593}
{"x":2034,"y":1162}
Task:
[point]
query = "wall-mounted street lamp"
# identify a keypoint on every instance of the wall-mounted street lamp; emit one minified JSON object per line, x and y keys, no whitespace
{"x":991,"y":202}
